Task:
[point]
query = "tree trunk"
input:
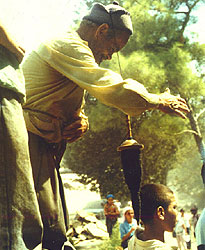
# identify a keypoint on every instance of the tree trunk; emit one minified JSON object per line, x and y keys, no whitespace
{"x":197,"y":135}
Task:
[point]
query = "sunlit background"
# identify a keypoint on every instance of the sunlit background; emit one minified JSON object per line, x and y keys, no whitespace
{"x":30,"y":21}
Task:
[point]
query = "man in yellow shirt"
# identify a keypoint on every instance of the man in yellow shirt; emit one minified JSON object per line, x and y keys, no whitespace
{"x":57,"y":74}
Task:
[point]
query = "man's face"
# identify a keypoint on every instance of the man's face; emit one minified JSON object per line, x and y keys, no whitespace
{"x":170,"y":215}
{"x":103,"y":46}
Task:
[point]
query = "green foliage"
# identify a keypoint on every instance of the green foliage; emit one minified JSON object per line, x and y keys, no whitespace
{"x":102,"y":118}
{"x":154,"y":26}
{"x":157,"y":133}
{"x":179,"y":75}
{"x":114,"y":241}
{"x":145,"y":68}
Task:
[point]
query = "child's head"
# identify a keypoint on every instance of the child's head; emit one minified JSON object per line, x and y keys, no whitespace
{"x":110,"y":198}
{"x":158,"y":204}
{"x":128,"y":214}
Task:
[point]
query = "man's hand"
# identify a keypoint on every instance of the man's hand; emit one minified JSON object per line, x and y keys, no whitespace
{"x":171,"y":104}
{"x":133,"y":229}
{"x":76,"y":129}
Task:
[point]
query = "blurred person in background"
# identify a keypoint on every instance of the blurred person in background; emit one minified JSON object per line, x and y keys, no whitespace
{"x":180,"y":230}
{"x":128,"y":227}
{"x":111,"y":212}
{"x":194,"y":218}
{"x":188,"y":230}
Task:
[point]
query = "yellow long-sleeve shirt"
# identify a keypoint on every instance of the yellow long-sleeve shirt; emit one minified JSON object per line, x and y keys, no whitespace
{"x":56,"y":75}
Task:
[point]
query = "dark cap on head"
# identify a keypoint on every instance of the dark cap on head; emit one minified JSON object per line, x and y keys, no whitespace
{"x":113,"y":14}
{"x":194,"y":208}
{"x":110,"y":196}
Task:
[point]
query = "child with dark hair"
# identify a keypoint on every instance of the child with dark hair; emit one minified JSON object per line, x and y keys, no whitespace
{"x":158,"y":214}
{"x":111,"y":213}
{"x":194,"y":218}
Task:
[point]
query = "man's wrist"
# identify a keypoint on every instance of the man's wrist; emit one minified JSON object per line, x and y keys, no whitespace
{"x":160,"y":104}
{"x":155,"y":101}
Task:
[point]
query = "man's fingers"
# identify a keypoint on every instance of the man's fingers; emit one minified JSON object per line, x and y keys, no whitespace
{"x":70,"y":140}
{"x":183,"y":105}
{"x":181,"y":100}
{"x":73,"y":137}
{"x":170,"y":104}
{"x":184,"y":109}
{"x":74,"y":131}
{"x":175,"y":108}
{"x":179,"y":113}
{"x":22,"y":49}
{"x":76,"y":124}
{"x":179,"y":106}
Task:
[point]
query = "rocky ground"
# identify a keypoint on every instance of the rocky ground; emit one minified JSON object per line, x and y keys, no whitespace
{"x":86,"y":231}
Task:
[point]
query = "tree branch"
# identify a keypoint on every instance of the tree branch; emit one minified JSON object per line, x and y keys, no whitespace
{"x":186,"y":131}
{"x":200,"y":113}
{"x":181,"y":12}
{"x":187,"y":18}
